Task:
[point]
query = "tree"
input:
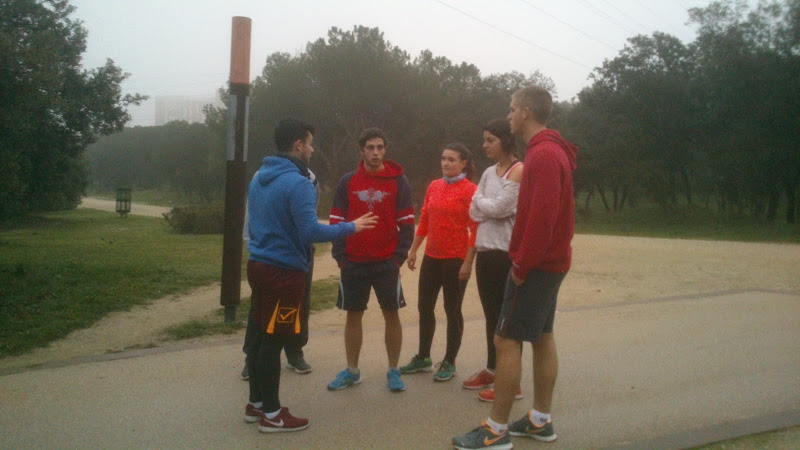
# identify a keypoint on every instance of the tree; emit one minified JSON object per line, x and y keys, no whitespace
{"x":355,"y":79}
{"x":183,"y":157}
{"x":50,"y":107}
{"x":643,"y":115}
{"x":749,"y":65}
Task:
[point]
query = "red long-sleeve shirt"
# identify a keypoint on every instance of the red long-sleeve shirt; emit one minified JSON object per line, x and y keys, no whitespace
{"x":445,"y":219}
{"x":545,"y":220}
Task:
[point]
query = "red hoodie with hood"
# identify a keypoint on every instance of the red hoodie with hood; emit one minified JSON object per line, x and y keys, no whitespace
{"x":545,"y":219}
{"x":387,"y":194}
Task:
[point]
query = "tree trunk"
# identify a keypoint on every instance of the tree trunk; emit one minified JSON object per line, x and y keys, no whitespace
{"x":791,"y":206}
{"x":687,"y":185}
{"x":772,"y":206}
{"x":603,"y":197}
{"x":624,"y":197}
{"x":588,"y":198}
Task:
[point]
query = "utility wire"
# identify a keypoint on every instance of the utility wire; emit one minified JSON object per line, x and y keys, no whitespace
{"x":643,"y":5}
{"x":683,"y":5}
{"x":568,"y":25}
{"x":611,"y":4}
{"x":607,"y":17}
{"x":515,"y":36}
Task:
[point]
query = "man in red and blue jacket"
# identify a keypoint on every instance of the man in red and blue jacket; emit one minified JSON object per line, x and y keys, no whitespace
{"x":372,"y":260}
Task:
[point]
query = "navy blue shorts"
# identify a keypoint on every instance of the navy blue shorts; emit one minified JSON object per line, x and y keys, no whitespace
{"x":529,"y":309}
{"x":357,"y":279}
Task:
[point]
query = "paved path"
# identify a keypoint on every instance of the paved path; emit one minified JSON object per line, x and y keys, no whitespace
{"x":137,"y":209}
{"x":667,"y":372}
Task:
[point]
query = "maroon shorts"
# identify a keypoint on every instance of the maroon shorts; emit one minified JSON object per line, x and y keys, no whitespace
{"x":277,"y":297}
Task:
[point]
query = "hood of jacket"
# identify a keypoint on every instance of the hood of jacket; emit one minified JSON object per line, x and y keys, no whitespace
{"x":390,"y":170}
{"x":552,"y":135}
{"x":274,"y":166}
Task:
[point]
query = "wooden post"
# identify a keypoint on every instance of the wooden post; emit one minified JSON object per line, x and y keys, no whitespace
{"x":235,"y":176}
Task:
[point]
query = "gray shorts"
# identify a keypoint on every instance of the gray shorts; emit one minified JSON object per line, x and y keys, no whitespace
{"x":529,"y":309}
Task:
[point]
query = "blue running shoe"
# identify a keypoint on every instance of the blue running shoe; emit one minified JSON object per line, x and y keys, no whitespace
{"x":344,"y":379}
{"x":483,"y":437}
{"x":526,"y":427}
{"x":395,"y":382}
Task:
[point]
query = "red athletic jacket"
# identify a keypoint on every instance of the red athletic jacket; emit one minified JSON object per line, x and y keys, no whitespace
{"x":545,"y":219}
{"x":388,"y":195}
{"x":445,"y":219}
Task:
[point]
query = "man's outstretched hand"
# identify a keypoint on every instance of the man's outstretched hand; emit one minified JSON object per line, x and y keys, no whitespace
{"x":366,"y":222}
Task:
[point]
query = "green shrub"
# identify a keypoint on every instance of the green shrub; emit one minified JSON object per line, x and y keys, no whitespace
{"x":208,"y":219}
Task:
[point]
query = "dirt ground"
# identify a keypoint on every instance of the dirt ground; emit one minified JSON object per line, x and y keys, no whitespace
{"x":605,"y":270}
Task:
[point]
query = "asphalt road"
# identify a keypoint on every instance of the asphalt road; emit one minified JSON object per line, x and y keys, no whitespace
{"x":668,"y":372}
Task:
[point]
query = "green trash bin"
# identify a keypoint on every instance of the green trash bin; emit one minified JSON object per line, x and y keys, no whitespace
{"x":123,"y":201}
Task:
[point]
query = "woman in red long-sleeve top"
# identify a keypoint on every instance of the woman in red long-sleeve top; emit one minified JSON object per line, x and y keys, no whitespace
{"x":448,"y":259}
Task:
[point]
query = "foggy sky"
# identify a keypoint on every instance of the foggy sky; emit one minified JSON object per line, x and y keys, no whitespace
{"x":182,"y":47}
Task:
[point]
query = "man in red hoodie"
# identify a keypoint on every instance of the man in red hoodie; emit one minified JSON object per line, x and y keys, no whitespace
{"x":373,"y":260}
{"x":541,"y":254}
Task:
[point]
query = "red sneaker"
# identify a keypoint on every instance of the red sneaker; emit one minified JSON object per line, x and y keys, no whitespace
{"x":479,"y":380}
{"x":252,"y":414}
{"x":488,"y":394}
{"x":282,"y":422}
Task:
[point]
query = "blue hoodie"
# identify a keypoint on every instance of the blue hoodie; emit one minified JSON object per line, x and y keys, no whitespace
{"x":282,"y":216}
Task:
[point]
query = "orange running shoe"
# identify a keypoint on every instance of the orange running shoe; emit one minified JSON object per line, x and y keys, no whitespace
{"x":488,"y":395}
{"x":480,"y":380}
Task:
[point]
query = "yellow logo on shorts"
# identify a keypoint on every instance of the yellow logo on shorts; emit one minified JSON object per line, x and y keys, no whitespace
{"x":286,"y":315}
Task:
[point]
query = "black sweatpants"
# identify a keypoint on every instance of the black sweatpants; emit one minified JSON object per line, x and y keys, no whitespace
{"x":295,"y":349}
{"x":491,"y":271}
{"x":434,"y":274}
{"x":264,"y":359}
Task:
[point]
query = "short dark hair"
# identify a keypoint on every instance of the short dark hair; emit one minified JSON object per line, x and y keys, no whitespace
{"x":290,"y":130}
{"x":371,"y":133}
{"x":501,"y":129}
{"x":465,"y":155}
{"x":538,"y":100}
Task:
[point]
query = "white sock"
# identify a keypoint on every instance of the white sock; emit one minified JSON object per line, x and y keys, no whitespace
{"x":490,"y":371}
{"x":257,"y":404}
{"x":272,"y":415}
{"x":538,"y":418}
{"x":498,"y":428}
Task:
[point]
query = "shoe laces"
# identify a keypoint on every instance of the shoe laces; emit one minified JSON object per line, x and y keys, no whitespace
{"x":444,"y":365}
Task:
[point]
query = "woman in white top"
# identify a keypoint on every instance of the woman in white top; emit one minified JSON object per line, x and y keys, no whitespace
{"x":494,"y":207}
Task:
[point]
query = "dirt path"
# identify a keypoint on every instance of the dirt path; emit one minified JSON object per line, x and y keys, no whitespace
{"x":606,"y":269}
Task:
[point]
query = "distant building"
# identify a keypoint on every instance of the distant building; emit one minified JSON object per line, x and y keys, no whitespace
{"x":174,"y":107}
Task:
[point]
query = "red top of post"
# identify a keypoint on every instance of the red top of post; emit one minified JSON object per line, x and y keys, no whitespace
{"x":240,"y":50}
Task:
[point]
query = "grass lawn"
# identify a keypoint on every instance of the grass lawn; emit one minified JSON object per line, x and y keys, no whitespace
{"x":63,"y":271}
{"x":685,"y":222}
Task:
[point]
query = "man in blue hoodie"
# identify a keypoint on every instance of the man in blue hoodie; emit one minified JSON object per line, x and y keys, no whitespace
{"x":282,"y":224}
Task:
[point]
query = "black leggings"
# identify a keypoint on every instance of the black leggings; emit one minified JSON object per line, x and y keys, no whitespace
{"x":491,"y":272}
{"x":264,"y":361}
{"x":437,"y":273}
